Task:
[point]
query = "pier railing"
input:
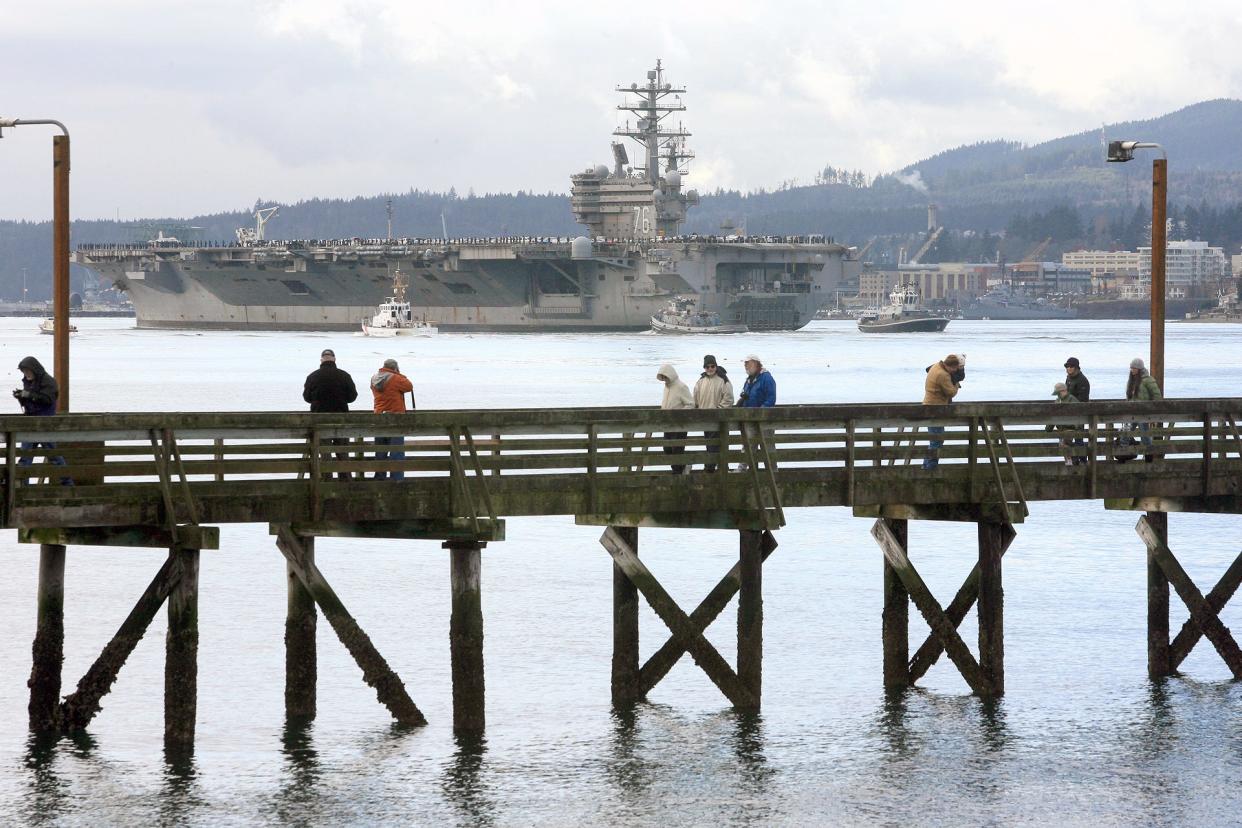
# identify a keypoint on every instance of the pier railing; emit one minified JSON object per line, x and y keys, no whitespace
{"x":484,"y":463}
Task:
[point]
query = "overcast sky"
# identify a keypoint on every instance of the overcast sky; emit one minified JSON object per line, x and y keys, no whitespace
{"x":178,"y":108}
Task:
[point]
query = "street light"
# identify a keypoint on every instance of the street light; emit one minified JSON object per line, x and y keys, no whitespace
{"x":60,"y":251}
{"x":1122,"y":151}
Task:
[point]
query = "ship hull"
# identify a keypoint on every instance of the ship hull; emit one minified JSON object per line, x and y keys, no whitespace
{"x":932,"y":324}
{"x":470,"y":287}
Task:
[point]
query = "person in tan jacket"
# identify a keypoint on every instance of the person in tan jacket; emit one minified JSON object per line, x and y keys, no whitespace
{"x":713,"y":390}
{"x":940,"y":388}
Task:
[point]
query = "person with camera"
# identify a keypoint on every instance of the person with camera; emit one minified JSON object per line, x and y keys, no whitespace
{"x":759,"y":390}
{"x":944,"y":380}
{"x":37,"y":397}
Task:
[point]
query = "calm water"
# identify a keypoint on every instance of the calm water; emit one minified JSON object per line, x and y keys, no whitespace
{"x":1082,"y":737}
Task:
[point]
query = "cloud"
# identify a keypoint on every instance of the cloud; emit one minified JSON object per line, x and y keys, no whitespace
{"x":181,"y":109}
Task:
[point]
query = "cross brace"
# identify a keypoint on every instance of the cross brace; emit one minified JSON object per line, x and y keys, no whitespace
{"x":984,"y":679}
{"x":687,"y":630}
{"x":1204,"y":612}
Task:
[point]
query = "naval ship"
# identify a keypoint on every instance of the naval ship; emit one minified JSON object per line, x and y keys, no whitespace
{"x":630,"y":262}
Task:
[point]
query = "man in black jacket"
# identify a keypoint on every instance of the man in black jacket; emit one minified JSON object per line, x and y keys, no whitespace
{"x":331,"y":390}
{"x":1076,"y":381}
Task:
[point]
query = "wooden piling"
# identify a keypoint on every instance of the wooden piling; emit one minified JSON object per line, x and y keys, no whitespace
{"x":301,"y":665}
{"x":181,"y":654}
{"x":625,"y":685}
{"x":375,"y":670}
{"x":992,"y":543}
{"x":1159,"y":663}
{"x":750,"y":613}
{"x":48,"y":650}
{"x":895,"y":617}
{"x":466,"y":636}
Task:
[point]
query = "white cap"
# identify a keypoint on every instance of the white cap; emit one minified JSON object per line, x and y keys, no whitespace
{"x":753,"y":358}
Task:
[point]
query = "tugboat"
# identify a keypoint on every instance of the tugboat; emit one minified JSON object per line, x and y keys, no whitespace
{"x":48,"y":326}
{"x":394,"y":318}
{"x":680,"y":317}
{"x":904,"y":314}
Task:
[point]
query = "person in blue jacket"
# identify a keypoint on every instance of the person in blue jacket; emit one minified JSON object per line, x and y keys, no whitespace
{"x":760,"y":389}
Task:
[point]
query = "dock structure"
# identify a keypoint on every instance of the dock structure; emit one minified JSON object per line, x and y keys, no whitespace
{"x":166,"y":480}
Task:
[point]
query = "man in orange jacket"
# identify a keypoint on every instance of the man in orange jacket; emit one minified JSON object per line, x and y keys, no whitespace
{"x":389,"y":387}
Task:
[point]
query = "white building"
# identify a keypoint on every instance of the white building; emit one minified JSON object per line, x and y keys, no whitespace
{"x":1187,"y":264}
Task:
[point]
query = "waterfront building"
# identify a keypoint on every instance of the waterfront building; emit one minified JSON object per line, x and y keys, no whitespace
{"x":944,"y":284}
{"x":1190,"y":267}
{"x":1110,"y":269}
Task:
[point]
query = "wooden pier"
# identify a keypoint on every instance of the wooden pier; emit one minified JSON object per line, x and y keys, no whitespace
{"x":167,"y":480}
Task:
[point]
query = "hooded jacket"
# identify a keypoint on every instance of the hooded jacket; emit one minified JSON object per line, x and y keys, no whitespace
{"x":39,"y":395}
{"x":676,"y":394}
{"x":713,"y":392}
{"x":939,"y":387}
{"x":389,"y":388}
{"x":329,"y":389}
{"x":758,"y":391}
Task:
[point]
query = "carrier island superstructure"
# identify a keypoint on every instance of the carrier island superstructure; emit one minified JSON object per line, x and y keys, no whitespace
{"x":631,"y":260}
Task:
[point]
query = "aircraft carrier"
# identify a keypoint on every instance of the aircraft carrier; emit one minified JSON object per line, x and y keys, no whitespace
{"x":629,"y":263}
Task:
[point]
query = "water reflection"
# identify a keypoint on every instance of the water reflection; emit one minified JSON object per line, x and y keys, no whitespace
{"x":48,"y":789}
{"x":181,"y":793}
{"x":748,"y":745}
{"x":300,"y":785}
{"x":626,"y":768}
{"x":462,"y":781}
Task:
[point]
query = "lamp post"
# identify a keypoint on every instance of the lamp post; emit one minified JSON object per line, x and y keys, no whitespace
{"x":60,"y":252}
{"x":1121,"y":151}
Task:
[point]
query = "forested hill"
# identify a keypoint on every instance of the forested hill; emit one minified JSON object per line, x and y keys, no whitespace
{"x":981,"y":187}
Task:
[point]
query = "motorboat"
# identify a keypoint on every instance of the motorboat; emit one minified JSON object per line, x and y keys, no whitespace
{"x":680,"y":317}
{"x":48,"y":326}
{"x":903,"y":314}
{"x":394,"y":316}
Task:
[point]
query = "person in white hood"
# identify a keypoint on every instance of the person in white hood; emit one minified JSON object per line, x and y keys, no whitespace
{"x":676,"y":395}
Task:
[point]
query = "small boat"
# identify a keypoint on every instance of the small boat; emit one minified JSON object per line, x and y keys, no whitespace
{"x":48,"y":326}
{"x":394,"y":316}
{"x":904,"y":314}
{"x":680,"y":317}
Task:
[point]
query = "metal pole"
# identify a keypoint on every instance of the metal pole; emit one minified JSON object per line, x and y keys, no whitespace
{"x":60,"y":267}
{"x":1159,"y":195}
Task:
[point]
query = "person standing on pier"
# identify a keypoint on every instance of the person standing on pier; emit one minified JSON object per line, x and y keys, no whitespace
{"x":1076,"y":382}
{"x":331,"y":390}
{"x":389,"y":387}
{"x":940,"y":388}
{"x":713,"y":390}
{"x":37,"y":397}
{"x":676,"y":396}
{"x":1063,"y":395}
{"x":759,"y":390}
{"x":1142,"y":387}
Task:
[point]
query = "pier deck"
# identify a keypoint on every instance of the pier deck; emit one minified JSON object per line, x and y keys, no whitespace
{"x":166,"y":479}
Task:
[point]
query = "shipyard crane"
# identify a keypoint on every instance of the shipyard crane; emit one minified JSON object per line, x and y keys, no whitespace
{"x":865,"y":249}
{"x":1034,"y":254}
{"x":927,"y":245}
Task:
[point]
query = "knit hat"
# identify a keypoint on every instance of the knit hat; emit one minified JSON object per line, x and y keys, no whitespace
{"x":1072,"y":362}
{"x":1058,"y":388}
{"x":709,"y":360}
{"x":1137,"y":363}
{"x":328,"y":355}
